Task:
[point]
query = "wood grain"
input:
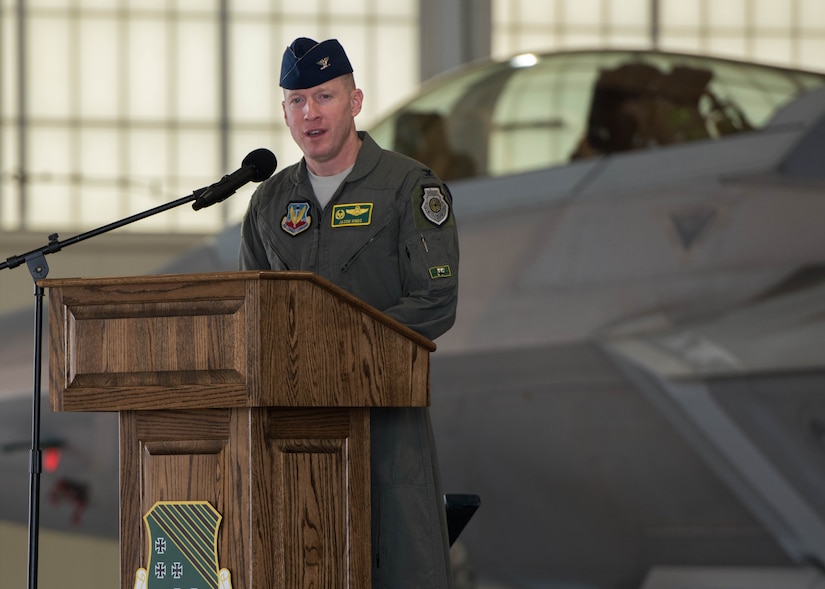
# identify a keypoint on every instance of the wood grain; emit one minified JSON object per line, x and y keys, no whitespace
{"x":250,"y":391}
{"x":286,"y":339}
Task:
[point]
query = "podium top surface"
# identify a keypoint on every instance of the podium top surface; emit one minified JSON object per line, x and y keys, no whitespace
{"x":242,"y":276}
{"x":227,"y":339}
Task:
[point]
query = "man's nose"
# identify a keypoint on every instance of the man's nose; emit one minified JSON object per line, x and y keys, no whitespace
{"x":310,"y":110}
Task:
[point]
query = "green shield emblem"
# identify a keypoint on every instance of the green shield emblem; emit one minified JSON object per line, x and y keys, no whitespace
{"x":183,"y":547}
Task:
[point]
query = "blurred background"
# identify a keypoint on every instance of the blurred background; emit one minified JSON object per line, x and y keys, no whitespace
{"x":111,"y":107}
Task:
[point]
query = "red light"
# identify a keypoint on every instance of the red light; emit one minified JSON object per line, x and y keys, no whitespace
{"x":51,"y":459}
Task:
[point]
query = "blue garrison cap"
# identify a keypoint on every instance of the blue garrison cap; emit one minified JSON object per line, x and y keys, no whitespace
{"x":307,"y":63}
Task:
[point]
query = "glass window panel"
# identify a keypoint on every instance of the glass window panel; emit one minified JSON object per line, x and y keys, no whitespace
{"x":288,"y":29}
{"x":50,"y":68}
{"x":243,"y":142}
{"x":197,"y":70}
{"x":392,"y":82}
{"x":154,"y":5}
{"x":630,"y":13}
{"x":9,"y":209}
{"x":197,"y":158}
{"x":304,"y":8}
{"x":730,"y":46}
{"x":209,"y":7}
{"x":100,"y":154}
{"x":681,"y":43}
{"x":100,"y":4}
{"x":770,"y":14}
{"x":363,"y":55}
{"x":581,"y":40}
{"x":502,"y":14}
{"x":101,"y":205}
{"x":98,"y":65}
{"x":812,"y":15}
{"x":541,"y":13}
{"x":8,"y":145}
{"x":628,"y":39}
{"x":236,"y":206}
{"x":252,"y":6}
{"x":582,"y":12}
{"x":778,"y":51}
{"x":147,"y":69}
{"x":175,"y":42}
{"x":679,"y":14}
{"x":51,"y":152}
{"x":148,"y":159}
{"x":532,"y":40}
{"x":35,"y":4}
{"x":348,"y":7}
{"x":8,"y":69}
{"x":49,"y":207}
{"x":400,"y":8}
{"x":253,"y":72}
{"x":811,"y":51}
{"x":730,"y":14}
{"x":285,"y":149}
{"x":204,"y":220}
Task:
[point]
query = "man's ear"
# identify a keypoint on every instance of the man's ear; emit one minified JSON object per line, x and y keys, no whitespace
{"x":356,"y":101}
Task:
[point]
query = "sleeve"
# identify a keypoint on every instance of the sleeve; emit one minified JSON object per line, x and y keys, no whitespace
{"x":428,"y":259}
{"x":252,"y":253}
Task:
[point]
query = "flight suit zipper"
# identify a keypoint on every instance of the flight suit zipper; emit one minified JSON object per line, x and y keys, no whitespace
{"x":358,"y":252}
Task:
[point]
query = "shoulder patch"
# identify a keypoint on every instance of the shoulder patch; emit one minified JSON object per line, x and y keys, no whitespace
{"x":434,"y":205}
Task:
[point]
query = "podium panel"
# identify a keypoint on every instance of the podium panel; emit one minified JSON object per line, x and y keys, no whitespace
{"x":246,"y":391}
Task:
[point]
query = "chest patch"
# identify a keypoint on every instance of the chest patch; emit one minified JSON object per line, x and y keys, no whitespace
{"x":297,"y":218}
{"x":352,"y":215}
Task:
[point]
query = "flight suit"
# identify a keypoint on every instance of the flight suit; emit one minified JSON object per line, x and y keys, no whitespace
{"x":387,"y":236}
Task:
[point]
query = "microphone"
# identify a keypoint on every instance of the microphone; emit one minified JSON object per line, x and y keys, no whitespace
{"x":256,"y":166}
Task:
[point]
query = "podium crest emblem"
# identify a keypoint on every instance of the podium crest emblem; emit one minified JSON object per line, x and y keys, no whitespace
{"x":183,"y":547}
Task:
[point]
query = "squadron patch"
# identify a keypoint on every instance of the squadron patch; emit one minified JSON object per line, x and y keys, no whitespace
{"x":297,"y":218}
{"x":352,"y":215}
{"x":434,"y":206}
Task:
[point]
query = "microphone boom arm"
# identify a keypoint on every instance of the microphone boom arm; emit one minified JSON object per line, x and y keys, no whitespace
{"x":56,"y":245}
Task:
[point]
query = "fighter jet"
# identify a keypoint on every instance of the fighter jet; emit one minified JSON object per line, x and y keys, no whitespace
{"x":635,"y":383}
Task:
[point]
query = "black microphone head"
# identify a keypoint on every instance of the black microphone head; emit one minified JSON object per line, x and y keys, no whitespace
{"x":263,"y":161}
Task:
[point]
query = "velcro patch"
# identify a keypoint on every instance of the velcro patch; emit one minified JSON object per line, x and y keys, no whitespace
{"x":440,"y":272}
{"x":434,"y":205}
{"x":352,"y":215}
{"x":297,"y":219}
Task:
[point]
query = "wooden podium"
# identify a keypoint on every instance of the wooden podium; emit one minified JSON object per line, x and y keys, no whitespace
{"x":248,"y":390}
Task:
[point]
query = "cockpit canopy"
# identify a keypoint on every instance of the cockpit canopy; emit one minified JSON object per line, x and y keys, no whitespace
{"x":541,"y":110}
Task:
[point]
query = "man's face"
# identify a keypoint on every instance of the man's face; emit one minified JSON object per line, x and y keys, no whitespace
{"x":321,"y":119}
